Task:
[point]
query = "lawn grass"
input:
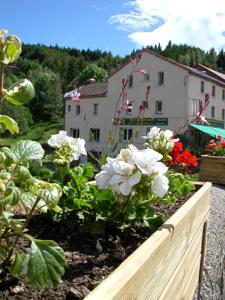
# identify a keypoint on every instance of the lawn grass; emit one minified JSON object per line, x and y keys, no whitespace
{"x":40,"y":132}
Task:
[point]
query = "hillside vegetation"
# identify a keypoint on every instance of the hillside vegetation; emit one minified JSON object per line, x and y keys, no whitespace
{"x":55,"y":70}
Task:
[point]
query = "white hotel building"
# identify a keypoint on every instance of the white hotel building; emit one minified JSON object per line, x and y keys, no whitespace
{"x":173,"y":101}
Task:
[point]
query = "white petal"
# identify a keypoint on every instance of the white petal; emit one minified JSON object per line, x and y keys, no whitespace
{"x":160,"y":168}
{"x":134,"y":179}
{"x":116,"y":179}
{"x":102,"y":179}
{"x":125,"y":188}
{"x":160,"y":185}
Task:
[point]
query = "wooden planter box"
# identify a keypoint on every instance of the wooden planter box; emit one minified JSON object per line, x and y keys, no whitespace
{"x":166,"y":266}
{"x":212,"y":169}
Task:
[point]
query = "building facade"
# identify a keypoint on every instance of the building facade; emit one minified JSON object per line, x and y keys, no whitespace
{"x":175,"y":90}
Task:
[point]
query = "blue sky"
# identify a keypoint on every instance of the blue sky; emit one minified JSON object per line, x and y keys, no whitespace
{"x":118,"y":26}
{"x":73,"y":23}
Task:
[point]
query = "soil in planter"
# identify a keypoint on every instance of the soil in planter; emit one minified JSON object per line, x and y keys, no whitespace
{"x":89,"y":259}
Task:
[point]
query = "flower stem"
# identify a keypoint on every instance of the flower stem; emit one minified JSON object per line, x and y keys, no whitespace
{"x":72,"y":176}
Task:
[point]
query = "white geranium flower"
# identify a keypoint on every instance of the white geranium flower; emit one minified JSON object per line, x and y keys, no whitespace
{"x":56,"y":140}
{"x":119,"y":175}
{"x":160,"y":185}
{"x":78,"y":147}
{"x":123,"y":180}
{"x":103,"y":178}
{"x":154,"y":131}
{"x":146,"y":160}
{"x":167,"y":134}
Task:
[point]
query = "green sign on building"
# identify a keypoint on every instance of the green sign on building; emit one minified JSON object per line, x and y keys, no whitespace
{"x":141,"y":121}
{"x":216,"y":123}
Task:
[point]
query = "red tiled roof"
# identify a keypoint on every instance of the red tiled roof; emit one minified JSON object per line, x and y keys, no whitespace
{"x":93,"y":89}
{"x":211,"y":72}
{"x":194,"y":71}
{"x":90,"y":90}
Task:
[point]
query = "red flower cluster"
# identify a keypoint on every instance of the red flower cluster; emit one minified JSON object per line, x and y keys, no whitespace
{"x":182,"y":157}
{"x":217,"y":148}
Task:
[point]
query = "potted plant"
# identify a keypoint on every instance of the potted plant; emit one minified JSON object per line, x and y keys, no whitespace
{"x":212,"y":166}
{"x":167,"y":265}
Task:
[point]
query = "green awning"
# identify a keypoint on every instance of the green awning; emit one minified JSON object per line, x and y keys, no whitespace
{"x":213,"y":131}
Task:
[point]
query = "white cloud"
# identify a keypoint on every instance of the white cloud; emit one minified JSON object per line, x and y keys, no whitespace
{"x":195,"y":22}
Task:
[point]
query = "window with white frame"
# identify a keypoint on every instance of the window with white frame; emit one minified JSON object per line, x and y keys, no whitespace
{"x":94,"y":134}
{"x":126,"y":134}
{"x":202,"y":86}
{"x":194,"y":107}
{"x":95,"y":109}
{"x":212,"y":111}
{"x":75,"y":132}
{"x":146,"y":77}
{"x":213,"y":91}
{"x":160,"y":78}
{"x":158,"y":107}
{"x":69,"y":108}
{"x":77,"y":109}
{"x":130,"y":81}
{"x":223,"y":94}
{"x":223,"y":114}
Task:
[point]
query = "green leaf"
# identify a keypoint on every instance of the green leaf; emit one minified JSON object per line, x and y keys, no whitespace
{"x":3,"y":252}
{"x":46,"y":264}
{"x":27,"y":150}
{"x":10,"y":157}
{"x":9,"y":123}
{"x":19,"y":263}
{"x":50,"y":195}
{"x":13,"y":48}
{"x":20,"y":93}
{"x":11,"y":196}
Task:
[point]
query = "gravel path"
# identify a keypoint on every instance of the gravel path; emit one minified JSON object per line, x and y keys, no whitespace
{"x":213,"y":287}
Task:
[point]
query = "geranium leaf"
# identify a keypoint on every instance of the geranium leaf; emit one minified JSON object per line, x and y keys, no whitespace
{"x":11,"y":196}
{"x":19,"y":263}
{"x":3,"y":252}
{"x":27,"y":150}
{"x":9,"y":123}
{"x":13,"y":48}
{"x":20,"y":93}
{"x":50,"y":195}
{"x":46,"y":264}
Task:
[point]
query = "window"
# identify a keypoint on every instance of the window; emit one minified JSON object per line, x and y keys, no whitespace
{"x":223,"y":114}
{"x":69,"y":108}
{"x":130,"y":80}
{"x":94,"y":134}
{"x":213,"y":111}
{"x":158,"y":107}
{"x":202,"y":86}
{"x":77,"y":109}
{"x":213,"y":91}
{"x":95,"y":112}
{"x":146,"y":77}
{"x":127,"y":134}
{"x":223,"y":94}
{"x":75,"y":132}
{"x":194,"y":107}
{"x":161,"y":78}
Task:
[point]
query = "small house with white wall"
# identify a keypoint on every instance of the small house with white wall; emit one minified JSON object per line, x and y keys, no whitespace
{"x":174,"y":91}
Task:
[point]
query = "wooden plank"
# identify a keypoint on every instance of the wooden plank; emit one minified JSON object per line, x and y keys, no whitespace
{"x":191,"y":285}
{"x":212,"y":168}
{"x":177,"y":285}
{"x":145,"y":273}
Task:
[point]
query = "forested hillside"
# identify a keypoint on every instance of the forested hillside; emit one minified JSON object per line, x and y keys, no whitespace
{"x":55,"y":70}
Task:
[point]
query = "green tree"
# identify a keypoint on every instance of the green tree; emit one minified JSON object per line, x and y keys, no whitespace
{"x":93,"y":71}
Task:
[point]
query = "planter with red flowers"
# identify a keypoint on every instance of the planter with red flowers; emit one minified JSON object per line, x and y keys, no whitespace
{"x":212,"y":167}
